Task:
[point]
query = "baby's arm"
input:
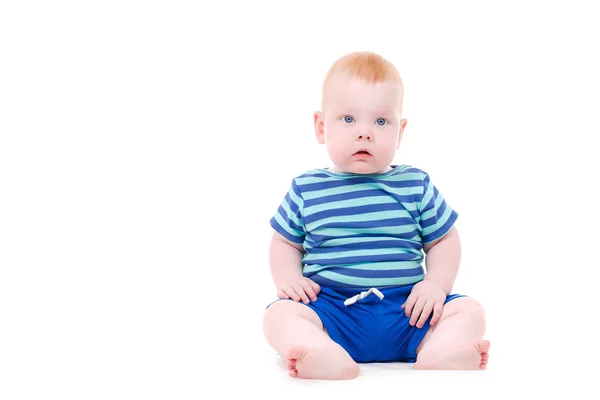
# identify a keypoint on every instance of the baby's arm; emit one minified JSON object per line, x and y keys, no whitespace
{"x":285,"y":258}
{"x":443,"y":259}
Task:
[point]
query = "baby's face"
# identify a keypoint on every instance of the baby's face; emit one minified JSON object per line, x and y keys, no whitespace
{"x":360,"y":125}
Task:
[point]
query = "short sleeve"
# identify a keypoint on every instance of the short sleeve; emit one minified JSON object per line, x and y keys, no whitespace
{"x":436,"y":217}
{"x":288,"y":220}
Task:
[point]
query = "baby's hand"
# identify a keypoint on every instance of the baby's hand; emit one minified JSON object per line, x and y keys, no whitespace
{"x":302,"y":289}
{"x":424,"y":298}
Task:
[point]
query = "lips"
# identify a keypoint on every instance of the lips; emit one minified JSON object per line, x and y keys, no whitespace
{"x":362,"y":154}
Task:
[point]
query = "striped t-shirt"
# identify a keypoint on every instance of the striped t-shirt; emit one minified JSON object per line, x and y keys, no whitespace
{"x":363,"y":231}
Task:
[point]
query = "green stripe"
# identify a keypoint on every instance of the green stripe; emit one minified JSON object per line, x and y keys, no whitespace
{"x":307,"y":180}
{"x":371,"y":282}
{"x":360,"y":187}
{"x":407,"y":176}
{"x":348,"y":240}
{"x":354,"y":253}
{"x":384,"y":230}
{"x":380,"y":266}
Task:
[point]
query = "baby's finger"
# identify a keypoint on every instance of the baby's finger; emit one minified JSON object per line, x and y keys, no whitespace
{"x":437,"y":313}
{"x":416,"y":312}
{"x":308,"y":290}
{"x":315,"y":286}
{"x":409,"y":304}
{"x":281,"y":294}
{"x":300,"y":290}
{"x":425,"y":314}
{"x":291,"y":293}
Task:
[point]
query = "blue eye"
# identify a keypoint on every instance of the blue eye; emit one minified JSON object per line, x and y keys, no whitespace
{"x":381,"y":121}
{"x":348,"y":119}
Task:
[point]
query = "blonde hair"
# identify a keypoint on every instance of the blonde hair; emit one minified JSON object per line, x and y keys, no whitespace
{"x":366,"y":66}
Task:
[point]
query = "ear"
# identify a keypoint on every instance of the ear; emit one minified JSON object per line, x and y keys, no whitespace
{"x":319,"y":127}
{"x":403,"y":122}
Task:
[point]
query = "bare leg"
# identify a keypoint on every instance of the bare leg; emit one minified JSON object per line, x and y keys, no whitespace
{"x":456,"y":342}
{"x":296,"y":333}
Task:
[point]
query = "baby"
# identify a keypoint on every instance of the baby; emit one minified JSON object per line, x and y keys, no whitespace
{"x":348,"y":246}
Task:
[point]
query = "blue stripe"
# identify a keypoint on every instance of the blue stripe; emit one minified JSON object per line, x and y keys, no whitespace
{"x":365,"y":273}
{"x":380,"y":244}
{"x":313,"y":238}
{"x":321,"y":281}
{"x":293,"y":206}
{"x":325,"y":282}
{"x":352,"y":211}
{"x":368,"y":224}
{"x":364,"y":259}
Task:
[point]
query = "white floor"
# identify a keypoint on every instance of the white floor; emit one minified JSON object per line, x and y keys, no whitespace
{"x":379,"y":380}
{"x":504,"y":379}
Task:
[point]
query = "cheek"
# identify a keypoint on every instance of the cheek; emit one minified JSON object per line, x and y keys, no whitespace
{"x":333,"y":135}
{"x":340,"y":132}
{"x":336,"y":143}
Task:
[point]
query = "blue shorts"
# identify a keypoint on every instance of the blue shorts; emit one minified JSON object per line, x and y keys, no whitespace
{"x":371,"y":330}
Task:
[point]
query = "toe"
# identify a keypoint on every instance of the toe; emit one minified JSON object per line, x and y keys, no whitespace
{"x":291,"y":363}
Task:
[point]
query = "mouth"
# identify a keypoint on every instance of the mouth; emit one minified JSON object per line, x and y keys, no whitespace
{"x":362,"y":153}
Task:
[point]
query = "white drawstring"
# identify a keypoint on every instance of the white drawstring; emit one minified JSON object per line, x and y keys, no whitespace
{"x":362,"y":295}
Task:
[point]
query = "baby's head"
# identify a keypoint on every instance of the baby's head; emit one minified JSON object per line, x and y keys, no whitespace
{"x":360,"y":121}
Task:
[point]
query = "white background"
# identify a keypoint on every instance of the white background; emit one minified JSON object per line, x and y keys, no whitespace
{"x":144,"y":147}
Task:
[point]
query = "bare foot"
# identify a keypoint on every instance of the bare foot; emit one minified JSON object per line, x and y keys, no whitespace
{"x":317,"y":363}
{"x":467,"y":355}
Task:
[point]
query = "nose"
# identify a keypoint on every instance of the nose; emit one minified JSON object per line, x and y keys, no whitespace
{"x":365,"y":136}
{"x":364,"y":133}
